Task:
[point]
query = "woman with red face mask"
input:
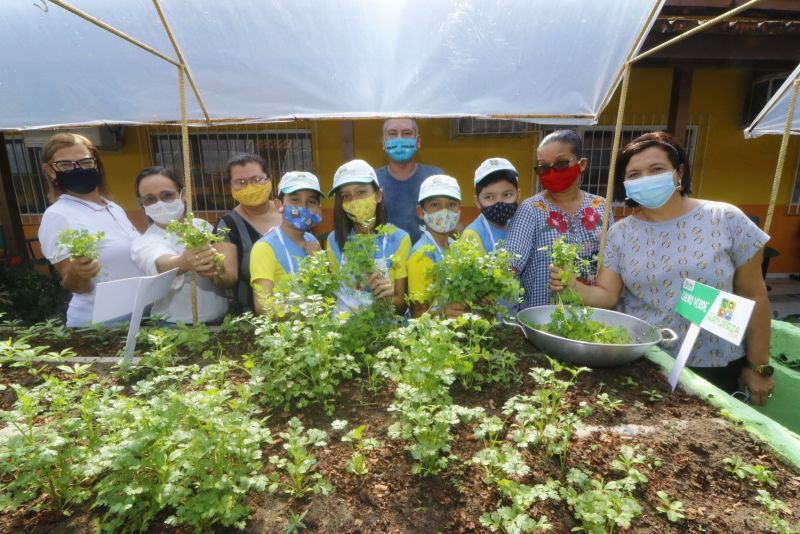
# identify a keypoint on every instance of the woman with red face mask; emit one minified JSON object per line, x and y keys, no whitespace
{"x":560,"y":209}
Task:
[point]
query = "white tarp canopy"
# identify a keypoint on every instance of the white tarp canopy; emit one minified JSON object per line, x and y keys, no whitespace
{"x":555,"y":61}
{"x":772,"y":119}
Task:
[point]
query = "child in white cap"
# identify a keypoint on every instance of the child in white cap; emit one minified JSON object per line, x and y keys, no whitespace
{"x":279,"y":252}
{"x":439,"y":206}
{"x":496,"y":195}
{"x":359,"y":209}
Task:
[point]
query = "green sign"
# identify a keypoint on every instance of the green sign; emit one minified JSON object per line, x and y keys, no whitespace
{"x":721,"y":313}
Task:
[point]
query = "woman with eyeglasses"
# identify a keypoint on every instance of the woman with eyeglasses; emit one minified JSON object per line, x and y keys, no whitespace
{"x":160,"y":193}
{"x":254,"y":214}
{"x":671,"y":237}
{"x":77,"y":190}
{"x":560,"y":209}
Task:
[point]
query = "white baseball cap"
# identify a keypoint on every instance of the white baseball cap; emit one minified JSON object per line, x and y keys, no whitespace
{"x":439,"y":185}
{"x":297,"y":180}
{"x":356,"y":171}
{"x":493,"y":165}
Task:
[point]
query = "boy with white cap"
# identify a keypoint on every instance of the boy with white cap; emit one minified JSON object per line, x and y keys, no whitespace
{"x":360,"y":209}
{"x":496,"y":195}
{"x":439,"y":206}
{"x":279,"y":252}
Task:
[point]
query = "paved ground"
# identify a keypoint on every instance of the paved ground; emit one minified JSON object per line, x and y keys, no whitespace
{"x":784,"y":295}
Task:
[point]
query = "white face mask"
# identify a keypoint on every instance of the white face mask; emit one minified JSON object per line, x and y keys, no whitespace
{"x":443,"y":221}
{"x":164,"y":212}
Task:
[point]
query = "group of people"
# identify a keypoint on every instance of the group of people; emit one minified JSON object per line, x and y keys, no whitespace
{"x":669,"y":237}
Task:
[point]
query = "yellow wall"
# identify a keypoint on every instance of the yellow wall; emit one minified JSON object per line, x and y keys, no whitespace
{"x":728,"y":167}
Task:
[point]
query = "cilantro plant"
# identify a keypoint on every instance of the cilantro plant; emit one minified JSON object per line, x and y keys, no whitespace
{"x":295,"y":361}
{"x":359,"y":444}
{"x":315,"y":276}
{"x":570,"y":319}
{"x":774,"y":508}
{"x":294,"y":472}
{"x":79,"y":243}
{"x":359,"y":254}
{"x":192,"y":452}
{"x":466,"y":275}
{"x":514,"y":518}
{"x":194,"y":238}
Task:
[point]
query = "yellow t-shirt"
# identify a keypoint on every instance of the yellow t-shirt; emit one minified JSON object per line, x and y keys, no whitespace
{"x":264,"y":264}
{"x":424,"y":255}
{"x":471,"y":235}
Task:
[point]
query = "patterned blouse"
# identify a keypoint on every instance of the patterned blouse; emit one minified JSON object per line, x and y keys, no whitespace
{"x":537,"y":224}
{"x":707,"y":244}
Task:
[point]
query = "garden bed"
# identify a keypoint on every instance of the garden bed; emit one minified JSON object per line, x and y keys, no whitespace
{"x":638,"y":434}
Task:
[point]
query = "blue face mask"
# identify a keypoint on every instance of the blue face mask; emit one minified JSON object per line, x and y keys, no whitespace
{"x":651,"y":191}
{"x":401,"y":149}
{"x":301,"y":218}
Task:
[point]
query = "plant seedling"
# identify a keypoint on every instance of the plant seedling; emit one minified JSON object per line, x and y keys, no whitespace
{"x":674,"y":510}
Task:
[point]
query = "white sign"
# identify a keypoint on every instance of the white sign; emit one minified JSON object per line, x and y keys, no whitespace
{"x":113,"y":300}
{"x":716,"y":311}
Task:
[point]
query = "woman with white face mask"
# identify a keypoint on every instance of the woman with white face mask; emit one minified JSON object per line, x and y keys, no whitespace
{"x":671,"y":237}
{"x":160,"y":193}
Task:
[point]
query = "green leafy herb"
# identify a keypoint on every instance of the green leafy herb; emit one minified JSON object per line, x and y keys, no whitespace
{"x":195,"y":237}
{"x":79,"y":243}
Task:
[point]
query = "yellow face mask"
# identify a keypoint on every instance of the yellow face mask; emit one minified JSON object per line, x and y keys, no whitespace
{"x":252,"y":195}
{"x":361,"y":211}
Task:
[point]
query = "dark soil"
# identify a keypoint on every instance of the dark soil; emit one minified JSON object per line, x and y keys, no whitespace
{"x":689,"y":437}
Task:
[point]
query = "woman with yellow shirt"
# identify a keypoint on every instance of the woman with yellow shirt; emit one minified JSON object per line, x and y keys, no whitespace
{"x":359,"y":209}
{"x":279,"y":252}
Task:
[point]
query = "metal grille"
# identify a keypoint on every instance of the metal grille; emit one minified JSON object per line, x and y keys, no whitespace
{"x":597,"y":142}
{"x":28,"y":178}
{"x":285,"y":147}
{"x":470,"y":126}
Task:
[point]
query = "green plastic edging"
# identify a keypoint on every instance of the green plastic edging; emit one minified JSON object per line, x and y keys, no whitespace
{"x":784,"y":343}
{"x":782,"y":407}
{"x":782,"y":440}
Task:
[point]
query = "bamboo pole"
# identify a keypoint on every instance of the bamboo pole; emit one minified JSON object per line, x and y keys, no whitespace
{"x":97,"y":22}
{"x":612,"y":165}
{"x":187,"y":174}
{"x":781,"y":155}
{"x":178,"y":52}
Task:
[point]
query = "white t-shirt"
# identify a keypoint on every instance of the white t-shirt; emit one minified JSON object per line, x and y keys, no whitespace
{"x":177,"y":304}
{"x":114,"y":249}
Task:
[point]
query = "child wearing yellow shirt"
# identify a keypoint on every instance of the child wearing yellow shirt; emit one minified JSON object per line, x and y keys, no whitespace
{"x":279,"y":252}
{"x":439,"y":206}
{"x":359,"y":209}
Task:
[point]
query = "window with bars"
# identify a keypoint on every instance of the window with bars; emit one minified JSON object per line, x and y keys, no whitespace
{"x":597,"y":142}
{"x":470,"y":126}
{"x":27,"y":177}
{"x":283,"y":150}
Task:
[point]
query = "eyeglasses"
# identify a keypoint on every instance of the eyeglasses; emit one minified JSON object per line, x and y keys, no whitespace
{"x":67,"y":165}
{"x":559,"y":165}
{"x":168,"y":195}
{"x":241,"y":183}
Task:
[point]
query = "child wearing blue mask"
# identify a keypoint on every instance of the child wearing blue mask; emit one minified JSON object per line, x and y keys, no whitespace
{"x":671,"y":237}
{"x":279,"y":252}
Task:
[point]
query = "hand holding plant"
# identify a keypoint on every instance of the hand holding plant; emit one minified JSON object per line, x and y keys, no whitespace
{"x":197,"y":238}
{"x":81,"y":245}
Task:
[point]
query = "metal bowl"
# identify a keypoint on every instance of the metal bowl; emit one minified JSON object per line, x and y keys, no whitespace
{"x":643,"y":336}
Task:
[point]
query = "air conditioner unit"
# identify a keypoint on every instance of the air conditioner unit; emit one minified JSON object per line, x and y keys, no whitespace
{"x":105,"y":138}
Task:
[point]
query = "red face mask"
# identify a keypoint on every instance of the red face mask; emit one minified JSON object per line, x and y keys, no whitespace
{"x":558,"y":180}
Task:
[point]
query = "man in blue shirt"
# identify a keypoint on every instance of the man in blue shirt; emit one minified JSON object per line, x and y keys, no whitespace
{"x":401,"y":178}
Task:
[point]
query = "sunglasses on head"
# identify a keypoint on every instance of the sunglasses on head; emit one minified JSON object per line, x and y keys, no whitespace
{"x":559,"y":165}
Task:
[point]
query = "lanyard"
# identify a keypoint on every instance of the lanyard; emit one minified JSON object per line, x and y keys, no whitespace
{"x":428,"y":234}
{"x":489,"y":231}
{"x":277,"y":230}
